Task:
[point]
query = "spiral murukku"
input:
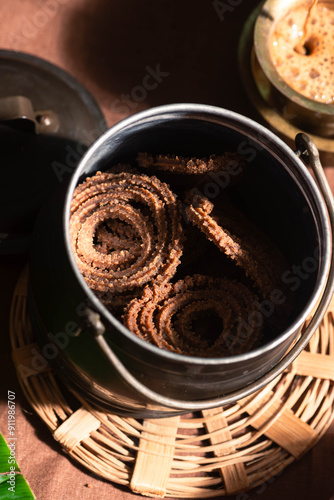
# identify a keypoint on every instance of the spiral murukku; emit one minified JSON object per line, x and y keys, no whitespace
{"x":197,"y":316}
{"x":178,"y":164}
{"x":125,"y":231}
{"x":241,"y":241}
{"x":127,"y":238}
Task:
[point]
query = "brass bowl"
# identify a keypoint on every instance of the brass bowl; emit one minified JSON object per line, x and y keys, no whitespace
{"x":302,"y":112}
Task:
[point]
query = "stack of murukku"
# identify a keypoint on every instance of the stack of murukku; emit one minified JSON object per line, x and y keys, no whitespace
{"x":127,"y":231}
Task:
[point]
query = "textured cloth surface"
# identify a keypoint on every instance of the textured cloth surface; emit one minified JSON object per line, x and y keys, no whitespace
{"x":132,"y":55}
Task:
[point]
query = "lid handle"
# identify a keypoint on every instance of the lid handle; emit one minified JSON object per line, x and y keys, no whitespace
{"x":18,"y":112}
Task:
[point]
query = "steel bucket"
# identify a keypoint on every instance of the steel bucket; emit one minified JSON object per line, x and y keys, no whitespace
{"x":102,"y":360}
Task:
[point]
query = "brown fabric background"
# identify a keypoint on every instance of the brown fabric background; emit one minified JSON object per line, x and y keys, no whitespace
{"x":107,"y":45}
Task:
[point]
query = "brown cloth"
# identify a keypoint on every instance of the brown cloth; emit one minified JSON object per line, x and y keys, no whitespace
{"x":132,"y":55}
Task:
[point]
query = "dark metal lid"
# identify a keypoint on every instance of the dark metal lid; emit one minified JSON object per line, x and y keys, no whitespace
{"x":47,"y":121}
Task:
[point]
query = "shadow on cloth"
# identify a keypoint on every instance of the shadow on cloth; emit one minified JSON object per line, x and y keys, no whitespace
{"x":152,"y":53}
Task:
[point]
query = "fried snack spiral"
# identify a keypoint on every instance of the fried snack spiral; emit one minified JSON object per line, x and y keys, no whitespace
{"x":176,"y":317}
{"x":241,"y":241}
{"x":181,"y":165}
{"x":125,"y":231}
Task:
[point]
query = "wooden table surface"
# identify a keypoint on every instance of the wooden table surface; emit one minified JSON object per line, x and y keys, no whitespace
{"x":110,"y":47}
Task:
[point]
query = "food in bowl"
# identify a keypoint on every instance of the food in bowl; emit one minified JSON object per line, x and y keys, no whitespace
{"x":180,"y":271}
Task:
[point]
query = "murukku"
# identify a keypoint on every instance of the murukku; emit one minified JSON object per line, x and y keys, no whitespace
{"x":241,"y":241}
{"x":228,"y":161}
{"x":197,"y":316}
{"x":128,"y":240}
{"x":125,"y":231}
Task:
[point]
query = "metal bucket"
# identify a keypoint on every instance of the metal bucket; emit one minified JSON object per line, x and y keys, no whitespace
{"x":101,"y":359}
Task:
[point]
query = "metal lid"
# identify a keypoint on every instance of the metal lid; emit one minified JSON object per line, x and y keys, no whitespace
{"x":47,"y":121}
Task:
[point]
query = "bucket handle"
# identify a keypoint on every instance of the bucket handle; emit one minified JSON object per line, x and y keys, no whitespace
{"x":307,"y":150}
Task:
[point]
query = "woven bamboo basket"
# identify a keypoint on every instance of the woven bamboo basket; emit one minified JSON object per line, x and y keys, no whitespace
{"x":208,"y":454}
